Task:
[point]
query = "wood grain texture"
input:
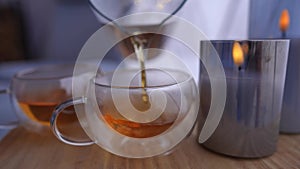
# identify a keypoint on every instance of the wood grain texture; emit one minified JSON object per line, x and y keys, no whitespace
{"x":25,"y":150}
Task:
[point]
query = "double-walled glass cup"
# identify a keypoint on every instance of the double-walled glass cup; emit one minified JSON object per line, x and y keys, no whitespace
{"x":35,"y":93}
{"x":115,"y":116}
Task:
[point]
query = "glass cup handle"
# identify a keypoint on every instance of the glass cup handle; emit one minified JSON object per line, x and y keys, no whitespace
{"x":9,"y":125}
{"x":53,"y":122}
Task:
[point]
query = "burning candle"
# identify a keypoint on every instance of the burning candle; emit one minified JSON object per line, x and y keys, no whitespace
{"x":247,"y":83}
{"x":290,"y":118}
{"x":237,"y":54}
{"x":238,"y":59}
{"x":284,"y":22}
{"x":255,"y":73}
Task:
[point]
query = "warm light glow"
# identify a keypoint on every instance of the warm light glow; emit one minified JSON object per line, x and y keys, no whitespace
{"x":284,"y":21}
{"x":237,"y":54}
{"x":245,"y":48}
{"x":162,"y":3}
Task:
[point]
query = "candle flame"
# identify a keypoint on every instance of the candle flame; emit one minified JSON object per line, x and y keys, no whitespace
{"x":284,"y":21}
{"x":237,"y":54}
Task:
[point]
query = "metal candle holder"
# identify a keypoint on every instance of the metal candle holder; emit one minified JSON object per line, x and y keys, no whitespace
{"x":290,"y":118}
{"x":250,"y":123}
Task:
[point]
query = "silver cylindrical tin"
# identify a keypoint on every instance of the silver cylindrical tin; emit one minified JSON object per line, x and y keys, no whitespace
{"x":290,"y":117}
{"x":249,"y":126}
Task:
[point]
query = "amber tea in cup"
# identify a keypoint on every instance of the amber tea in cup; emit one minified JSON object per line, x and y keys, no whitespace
{"x":124,"y":126}
{"x":116,"y":117}
{"x":36,"y":92}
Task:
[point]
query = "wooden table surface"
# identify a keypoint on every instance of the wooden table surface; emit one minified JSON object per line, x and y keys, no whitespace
{"x":21,"y":149}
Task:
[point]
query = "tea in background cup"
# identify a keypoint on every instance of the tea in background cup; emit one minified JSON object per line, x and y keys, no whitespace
{"x":35,"y":93}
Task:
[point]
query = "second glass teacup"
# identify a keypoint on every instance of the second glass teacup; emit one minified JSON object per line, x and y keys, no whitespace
{"x":114,"y":115}
{"x":35,"y":92}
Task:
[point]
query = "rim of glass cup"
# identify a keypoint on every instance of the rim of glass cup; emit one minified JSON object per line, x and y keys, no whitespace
{"x":55,"y":73}
{"x":177,"y":81}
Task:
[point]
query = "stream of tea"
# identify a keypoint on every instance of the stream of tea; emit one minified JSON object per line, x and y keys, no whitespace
{"x":138,"y":45}
{"x":140,"y":38}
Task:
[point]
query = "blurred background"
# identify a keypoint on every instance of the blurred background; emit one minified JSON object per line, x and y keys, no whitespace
{"x":39,"y":32}
{"x":57,"y":29}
